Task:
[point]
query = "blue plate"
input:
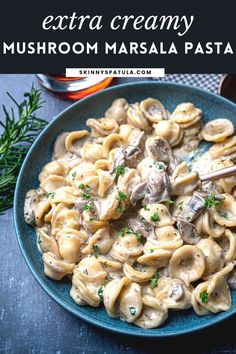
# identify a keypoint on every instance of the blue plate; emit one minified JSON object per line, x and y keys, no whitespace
{"x":74,"y":118}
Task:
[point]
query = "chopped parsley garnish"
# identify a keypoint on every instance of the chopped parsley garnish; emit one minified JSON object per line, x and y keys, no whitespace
{"x":170,"y":202}
{"x":125,"y":230}
{"x":154,"y":280}
{"x":88,"y":207}
{"x":86,"y":196}
{"x":140,"y":237}
{"x":121,"y":196}
{"x":222,"y":214}
{"x":188,"y":218}
{"x":91,"y":218}
{"x":145,"y":207}
{"x":96,"y":250}
{"x":204,"y":297}
{"x":132,"y":310}
{"x":100,"y":292}
{"x":180,"y":205}
{"x":151,"y":250}
{"x":39,"y":241}
{"x":50,"y":195}
{"x":155,"y":217}
{"x":81,"y":186}
{"x":159,"y":165}
{"x":211,"y":201}
{"x":120,"y":170}
{"x":73,"y":175}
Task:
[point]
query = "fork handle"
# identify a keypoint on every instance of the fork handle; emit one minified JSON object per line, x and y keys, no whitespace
{"x":224,"y":172}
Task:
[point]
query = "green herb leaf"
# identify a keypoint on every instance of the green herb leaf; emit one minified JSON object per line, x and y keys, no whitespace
{"x":159,"y":165}
{"x":50,"y":195}
{"x":96,"y":250}
{"x":132,"y":310}
{"x":211,"y":201}
{"x":180,"y":205}
{"x":121,"y":196}
{"x":86,"y":196}
{"x":155,"y":217}
{"x":91,"y":218}
{"x":125,"y":230}
{"x":222,"y":214}
{"x":20,"y":129}
{"x":81,"y":186}
{"x":170,"y":202}
{"x":204,"y":297}
{"x":100,"y":292}
{"x":154,"y":280}
{"x":73,"y":175}
{"x":88,"y":207}
{"x":120,"y":170}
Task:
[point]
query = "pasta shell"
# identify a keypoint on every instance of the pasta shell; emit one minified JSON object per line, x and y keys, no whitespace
{"x":214,"y":256}
{"x":102,"y":127}
{"x":153,"y":313}
{"x":58,"y":168}
{"x":187,"y":263}
{"x":217,"y":130}
{"x":174,"y":294}
{"x":111,"y":293}
{"x":75,"y":140}
{"x":46,"y":243}
{"x":227,"y":147}
{"x":186,"y":114}
{"x":69,"y":247}
{"x":157,"y":215}
{"x":153,"y":110}
{"x":138,"y":273}
{"x":183,"y":182}
{"x":227,"y":242}
{"x":218,"y":294}
{"x":91,"y":270}
{"x":56,"y":268}
{"x":158,"y":258}
{"x":136,"y":118}
{"x":225,"y":213}
{"x":101,"y":240}
{"x":130,"y":302}
{"x":126,"y":248}
{"x":118,"y":110}
{"x":170,"y":131}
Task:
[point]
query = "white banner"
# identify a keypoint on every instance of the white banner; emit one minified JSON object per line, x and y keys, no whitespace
{"x":116,"y":72}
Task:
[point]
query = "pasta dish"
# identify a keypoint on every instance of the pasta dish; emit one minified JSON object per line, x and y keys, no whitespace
{"x":120,"y":210}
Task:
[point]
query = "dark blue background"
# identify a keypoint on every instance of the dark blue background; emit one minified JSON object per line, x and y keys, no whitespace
{"x":30,"y":322}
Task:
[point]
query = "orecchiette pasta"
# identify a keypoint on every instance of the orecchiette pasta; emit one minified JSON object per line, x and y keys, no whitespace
{"x":122,"y":214}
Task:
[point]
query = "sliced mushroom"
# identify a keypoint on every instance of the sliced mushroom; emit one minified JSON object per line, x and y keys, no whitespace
{"x":188,"y":232}
{"x":31,"y":199}
{"x":158,"y":187}
{"x":141,"y":226}
{"x":232,"y":279}
{"x":193,"y":208}
{"x":174,"y":162}
{"x":138,"y":192}
{"x":159,"y":149}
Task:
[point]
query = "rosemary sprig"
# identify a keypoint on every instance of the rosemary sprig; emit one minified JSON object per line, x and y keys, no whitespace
{"x":19,"y":130}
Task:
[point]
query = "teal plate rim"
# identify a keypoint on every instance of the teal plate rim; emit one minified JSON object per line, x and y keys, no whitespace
{"x":136,"y":331}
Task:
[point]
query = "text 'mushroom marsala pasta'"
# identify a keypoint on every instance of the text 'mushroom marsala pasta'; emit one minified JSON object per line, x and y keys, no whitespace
{"x":120,"y":211}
